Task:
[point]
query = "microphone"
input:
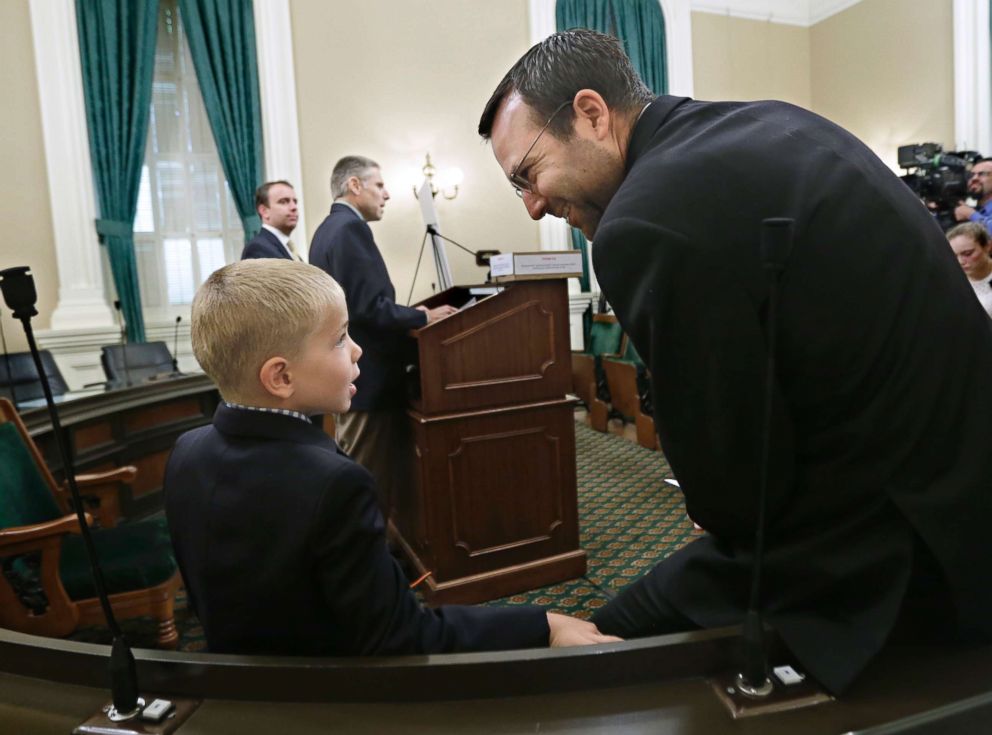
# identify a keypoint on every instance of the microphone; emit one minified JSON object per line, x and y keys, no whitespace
{"x":120,"y":318}
{"x":175,"y":349}
{"x":17,"y":285}
{"x":753,"y":681}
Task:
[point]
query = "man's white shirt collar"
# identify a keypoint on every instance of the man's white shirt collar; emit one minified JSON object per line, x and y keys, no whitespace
{"x":350,"y":206}
{"x":283,"y":238}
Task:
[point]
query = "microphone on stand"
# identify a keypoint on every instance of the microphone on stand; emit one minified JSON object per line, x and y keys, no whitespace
{"x":753,"y":681}
{"x":17,"y":285}
{"x":120,"y":318}
{"x":175,"y":350}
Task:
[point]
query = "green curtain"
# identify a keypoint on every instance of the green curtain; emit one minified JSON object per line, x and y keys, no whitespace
{"x":221,"y":37}
{"x":640,"y":25}
{"x":117,"y":51}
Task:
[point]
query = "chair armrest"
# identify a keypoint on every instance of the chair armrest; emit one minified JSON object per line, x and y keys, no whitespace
{"x":127,"y":473}
{"x":101,"y":493}
{"x":34,"y":533}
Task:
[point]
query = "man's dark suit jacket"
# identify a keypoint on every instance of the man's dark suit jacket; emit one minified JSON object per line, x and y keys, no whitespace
{"x":282,"y":547}
{"x":343,"y":246}
{"x":881,"y":399}
{"x":264,"y":245}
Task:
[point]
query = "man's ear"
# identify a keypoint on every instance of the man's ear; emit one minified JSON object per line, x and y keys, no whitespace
{"x":355,"y":185}
{"x":275,"y":377}
{"x":592,"y":113}
{"x":261,"y":209}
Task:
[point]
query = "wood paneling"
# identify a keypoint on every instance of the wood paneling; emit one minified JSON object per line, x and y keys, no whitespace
{"x":492,"y":510}
{"x":161,"y":415}
{"x":151,"y":472}
{"x":94,"y":435}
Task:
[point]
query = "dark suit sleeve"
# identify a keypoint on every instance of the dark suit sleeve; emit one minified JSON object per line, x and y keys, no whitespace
{"x":254,"y":250}
{"x":374,"y":611}
{"x":703,"y":337}
{"x":264,"y":245}
{"x":359,"y":269}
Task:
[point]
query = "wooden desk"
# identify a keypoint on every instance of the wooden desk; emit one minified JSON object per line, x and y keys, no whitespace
{"x":136,"y":425}
{"x":654,"y":685}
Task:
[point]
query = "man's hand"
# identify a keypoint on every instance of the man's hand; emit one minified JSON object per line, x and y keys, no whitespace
{"x":568,"y":631}
{"x":438,"y":312}
{"x":962,"y":212}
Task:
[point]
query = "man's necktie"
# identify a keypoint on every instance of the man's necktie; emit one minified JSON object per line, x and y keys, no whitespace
{"x":292,"y":250}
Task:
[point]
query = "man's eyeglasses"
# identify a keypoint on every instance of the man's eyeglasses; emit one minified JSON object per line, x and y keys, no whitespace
{"x":520,"y":184}
{"x":981,"y":174}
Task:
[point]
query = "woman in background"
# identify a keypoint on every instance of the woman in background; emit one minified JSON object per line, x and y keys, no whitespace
{"x":972,"y":245}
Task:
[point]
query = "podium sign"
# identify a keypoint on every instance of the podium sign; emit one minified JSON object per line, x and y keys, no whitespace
{"x":492,"y":509}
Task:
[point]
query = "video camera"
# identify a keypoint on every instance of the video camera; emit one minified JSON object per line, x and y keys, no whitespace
{"x":939,"y":179}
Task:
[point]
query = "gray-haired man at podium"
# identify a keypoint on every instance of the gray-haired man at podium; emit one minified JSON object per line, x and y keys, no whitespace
{"x":374,"y":432}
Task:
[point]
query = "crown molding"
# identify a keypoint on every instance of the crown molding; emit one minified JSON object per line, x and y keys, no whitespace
{"x":802,"y":13}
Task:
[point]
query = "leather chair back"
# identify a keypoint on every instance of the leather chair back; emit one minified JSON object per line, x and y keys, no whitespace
{"x":144,"y":360}
{"x":19,"y":381}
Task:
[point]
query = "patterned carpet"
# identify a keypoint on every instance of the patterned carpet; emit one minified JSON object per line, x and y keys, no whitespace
{"x":629,"y":519}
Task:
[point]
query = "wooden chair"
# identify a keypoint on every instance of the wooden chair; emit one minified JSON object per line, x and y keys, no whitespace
{"x":588,"y":380}
{"x":629,"y":385}
{"x":46,"y":587}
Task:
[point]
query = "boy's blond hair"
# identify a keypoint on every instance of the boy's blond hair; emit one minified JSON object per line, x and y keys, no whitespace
{"x":249,"y":311}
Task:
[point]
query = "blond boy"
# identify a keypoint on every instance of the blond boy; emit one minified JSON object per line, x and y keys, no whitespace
{"x":277,"y":532}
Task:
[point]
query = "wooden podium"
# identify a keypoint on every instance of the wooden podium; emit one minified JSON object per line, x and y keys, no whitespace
{"x":491,"y":510}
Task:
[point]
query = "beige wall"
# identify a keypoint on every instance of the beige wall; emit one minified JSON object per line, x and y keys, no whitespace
{"x":884,"y":69}
{"x":393,"y":80}
{"x":24,"y":202}
{"x":738,"y":59}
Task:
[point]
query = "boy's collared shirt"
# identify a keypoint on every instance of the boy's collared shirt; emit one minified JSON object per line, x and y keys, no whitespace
{"x":282,"y":411}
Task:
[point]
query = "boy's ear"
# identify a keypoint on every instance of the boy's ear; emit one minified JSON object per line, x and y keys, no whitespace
{"x":275,"y":378}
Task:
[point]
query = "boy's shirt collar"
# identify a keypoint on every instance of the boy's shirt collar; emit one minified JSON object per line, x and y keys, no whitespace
{"x":269,"y":425}
{"x":280,"y":411}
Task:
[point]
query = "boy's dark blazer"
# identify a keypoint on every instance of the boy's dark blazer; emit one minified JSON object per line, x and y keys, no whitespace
{"x":881,"y":393}
{"x":281,"y":544}
{"x":265,"y":245}
{"x":344,"y":247}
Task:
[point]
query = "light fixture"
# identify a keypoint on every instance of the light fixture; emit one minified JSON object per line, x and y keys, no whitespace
{"x":444,"y":182}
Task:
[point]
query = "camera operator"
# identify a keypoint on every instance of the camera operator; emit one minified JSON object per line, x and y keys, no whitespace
{"x":980,"y":186}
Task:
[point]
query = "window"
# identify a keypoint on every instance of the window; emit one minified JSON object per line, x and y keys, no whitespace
{"x":186,"y":225}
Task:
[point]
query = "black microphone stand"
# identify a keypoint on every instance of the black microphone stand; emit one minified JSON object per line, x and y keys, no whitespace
{"x":175,"y":350}
{"x":753,"y":680}
{"x":20,"y":295}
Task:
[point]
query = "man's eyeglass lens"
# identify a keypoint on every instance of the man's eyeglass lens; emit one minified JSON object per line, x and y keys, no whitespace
{"x":519,"y":183}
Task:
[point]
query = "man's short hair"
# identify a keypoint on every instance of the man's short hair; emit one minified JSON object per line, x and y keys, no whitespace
{"x":347,"y":167}
{"x":974,"y":230}
{"x":262,"y":192}
{"x":553,"y":71}
{"x":251,"y":310}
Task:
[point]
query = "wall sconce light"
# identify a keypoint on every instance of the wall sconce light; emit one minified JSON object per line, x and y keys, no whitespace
{"x":444,"y":182}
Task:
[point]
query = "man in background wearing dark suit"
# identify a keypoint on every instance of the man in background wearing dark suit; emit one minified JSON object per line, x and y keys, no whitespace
{"x":276,"y":204}
{"x":375,"y":432}
{"x":879,"y":502}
